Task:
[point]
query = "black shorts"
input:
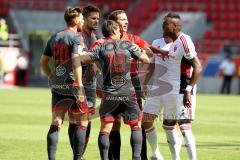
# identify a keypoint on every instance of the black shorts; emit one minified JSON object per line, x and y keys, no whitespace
{"x":114,"y":107}
{"x":66,"y":103}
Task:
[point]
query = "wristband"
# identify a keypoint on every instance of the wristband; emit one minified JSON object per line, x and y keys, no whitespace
{"x":189,"y":88}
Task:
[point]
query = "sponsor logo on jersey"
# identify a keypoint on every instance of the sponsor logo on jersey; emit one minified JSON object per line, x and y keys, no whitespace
{"x":60,"y":70}
{"x":175,"y":48}
{"x":118,"y":81}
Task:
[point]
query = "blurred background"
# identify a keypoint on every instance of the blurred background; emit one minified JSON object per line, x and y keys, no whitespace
{"x":214,"y":25}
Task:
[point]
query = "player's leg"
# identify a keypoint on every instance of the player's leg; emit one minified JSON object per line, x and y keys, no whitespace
{"x":108,"y":114}
{"x":170,"y":115}
{"x":136,"y":140}
{"x":186,"y":129}
{"x":71,"y":128}
{"x":172,"y":137}
{"x":91,"y":98}
{"x":79,"y":135}
{"x":138,"y":91}
{"x":88,"y":131}
{"x":103,"y":139}
{"x":59,"y":108}
{"x":151,"y":135}
{"x":80,"y":120}
{"x":91,"y":102}
{"x":185,"y":126}
{"x":151,"y":110}
{"x":132,"y":116}
{"x":115,"y":141}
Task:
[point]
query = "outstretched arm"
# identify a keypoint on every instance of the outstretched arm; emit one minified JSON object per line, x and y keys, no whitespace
{"x":156,"y":50}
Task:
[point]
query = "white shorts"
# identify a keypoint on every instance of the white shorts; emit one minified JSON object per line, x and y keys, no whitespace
{"x":172,"y":106}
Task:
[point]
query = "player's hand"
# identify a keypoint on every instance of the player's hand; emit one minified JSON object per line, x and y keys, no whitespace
{"x":144,"y":91}
{"x":164,"y":55}
{"x":50,"y":76}
{"x":80,"y":95}
{"x":80,"y":100}
{"x":136,"y":48}
{"x":187,"y":102}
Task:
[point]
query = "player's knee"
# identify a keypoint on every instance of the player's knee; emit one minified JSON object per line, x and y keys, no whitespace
{"x":184,"y":124}
{"x":135,"y":126}
{"x":169,"y":122}
{"x":148,"y":117}
{"x":106,"y":127}
{"x":184,"y":121}
{"x":57,"y":121}
{"x":83,"y":123}
{"x":147,"y":125}
{"x":80,"y":119}
{"x":116,"y":125}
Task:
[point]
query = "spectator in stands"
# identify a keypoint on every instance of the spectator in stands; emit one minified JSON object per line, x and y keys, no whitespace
{"x":228,"y":69}
{"x":1,"y":69}
{"x":238,"y":79}
{"x":3,"y":30}
{"x":106,"y":11}
{"x":21,"y":70}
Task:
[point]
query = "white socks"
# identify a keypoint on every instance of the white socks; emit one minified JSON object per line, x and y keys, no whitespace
{"x":189,"y":140}
{"x":151,"y":135}
{"x":173,"y":141}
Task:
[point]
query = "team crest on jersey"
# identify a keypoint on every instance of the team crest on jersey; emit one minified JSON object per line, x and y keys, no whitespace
{"x":60,"y":70}
{"x":118,"y":81}
{"x":175,"y":48}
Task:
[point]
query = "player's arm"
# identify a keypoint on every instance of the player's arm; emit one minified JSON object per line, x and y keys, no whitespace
{"x":197,"y":70}
{"x":148,"y":76}
{"x":139,"y":54}
{"x":191,"y":55}
{"x":91,"y":56}
{"x":144,"y":57}
{"x":44,"y":60}
{"x":77,"y":68}
{"x":156,"y":50}
{"x":96,"y":65}
{"x":142,"y":44}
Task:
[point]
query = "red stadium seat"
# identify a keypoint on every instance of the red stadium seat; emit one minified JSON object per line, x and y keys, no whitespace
{"x":216,"y":16}
{"x":216,"y":7}
{"x":235,"y":15}
{"x":217,"y":25}
{"x":225,"y":16}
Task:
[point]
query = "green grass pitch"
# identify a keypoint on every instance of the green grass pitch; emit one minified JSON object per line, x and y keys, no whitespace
{"x":25,"y":116}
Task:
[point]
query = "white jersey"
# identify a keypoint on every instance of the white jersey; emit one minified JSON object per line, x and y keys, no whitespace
{"x":160,"y":84}
{"x":181,"y":51}
{"x":173,"y":74}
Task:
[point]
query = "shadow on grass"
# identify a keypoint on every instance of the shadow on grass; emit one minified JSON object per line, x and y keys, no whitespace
{"x":214,"y":145}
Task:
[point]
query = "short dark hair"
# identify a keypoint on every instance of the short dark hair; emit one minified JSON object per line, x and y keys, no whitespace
{"x":71,"y":13}
{"x":113,"y":15}
{"x":108,"y":28}
{"x":89,"y":9}
{"x":173,"y":15}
